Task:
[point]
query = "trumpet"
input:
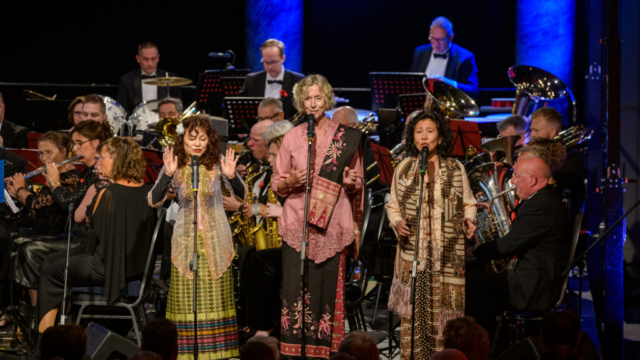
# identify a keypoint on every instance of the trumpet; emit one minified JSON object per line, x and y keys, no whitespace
{"x":44,"y":169}
{"x":397,"y":150}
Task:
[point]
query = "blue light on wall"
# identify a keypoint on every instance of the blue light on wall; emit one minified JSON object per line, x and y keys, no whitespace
{"x":545,"y":36}
{"x":270,"y":19}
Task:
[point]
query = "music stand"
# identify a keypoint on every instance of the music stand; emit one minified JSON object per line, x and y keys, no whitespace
{"x":465,"y":133}
{"x":383,"y":158}
{"x":241,"y":112}
{"x":209,"y":92}
{"x":386,"y":86}
{"x":231,"y":85}
{"x":154,"y":165}
{"x":411,"y":102}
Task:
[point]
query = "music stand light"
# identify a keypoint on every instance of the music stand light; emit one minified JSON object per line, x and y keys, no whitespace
{"x":383,"y":158}
{"x":241,"y":112}
{"x":386,"y":86}
{"x":231,"y":85}
{"x":465,"y":133}
{"x":209,"y":90}
{"x":411,"y":102}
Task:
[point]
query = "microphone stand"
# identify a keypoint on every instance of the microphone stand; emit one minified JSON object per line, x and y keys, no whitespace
{"x":303,"y":247}
{"x":194,"y":258}
{"x":63,"y":316}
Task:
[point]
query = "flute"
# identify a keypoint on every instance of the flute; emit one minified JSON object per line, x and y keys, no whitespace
{"x":44,"y":169}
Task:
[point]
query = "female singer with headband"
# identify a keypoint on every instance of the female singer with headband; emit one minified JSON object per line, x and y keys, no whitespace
{"x":217,"y":324}
{"x":333,"y":222}
{"x":448,"y":215}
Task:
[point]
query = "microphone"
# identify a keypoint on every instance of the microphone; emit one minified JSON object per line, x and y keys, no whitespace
{"x":71,"y":206}
{"x":221,"y":55}
{"x":423,"y":160}
{"x":310,"y":129}
{"x":195,"y":163}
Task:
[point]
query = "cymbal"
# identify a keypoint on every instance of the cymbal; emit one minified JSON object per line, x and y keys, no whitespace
{"x":167,"y":81}
{"x":37,"y":96}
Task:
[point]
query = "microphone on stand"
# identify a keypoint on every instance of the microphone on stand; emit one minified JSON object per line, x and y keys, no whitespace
{"x":63,"y":316}
{"x":195,"y":163}
{"x":311,"y":127}
{"x":423,"y":160}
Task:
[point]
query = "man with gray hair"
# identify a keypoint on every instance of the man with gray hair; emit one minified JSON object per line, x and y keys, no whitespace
{"x":515,"y":125}
{"x":445,"y":61}
{"x":270,"y":109}
{"x":169,"y":107}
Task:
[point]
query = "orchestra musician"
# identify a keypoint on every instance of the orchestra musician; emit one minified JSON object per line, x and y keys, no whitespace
{"x":216,"y":303}
{"x":94,"y":108}
{"x":11,"y":135}
{"x":270,"y":109}
{"x":274,"y":81}
{"x":514,"y":125}
{"x":333,"y":223}
{"x":132,"y":91}
{"x":75,"y":110}
{"x":443,"y":60}
{"x":447,"y":201}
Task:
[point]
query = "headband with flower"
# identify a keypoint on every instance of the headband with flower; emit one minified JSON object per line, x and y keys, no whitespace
{"x":180,"y":129}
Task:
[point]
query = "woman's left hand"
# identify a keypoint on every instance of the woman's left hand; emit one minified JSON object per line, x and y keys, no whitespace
{"x":349,"y":178}
{"x":229,"y":163}
{"x":53,"y":174}
{"x":470,"y":228}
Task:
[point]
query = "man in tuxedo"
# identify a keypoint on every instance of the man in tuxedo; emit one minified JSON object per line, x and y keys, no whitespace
{"x":445,"y":61}
{"x":275,"y":81}
{"x":11,"y":135}
{"x":132,"y":91}
{"x":540,"y":237}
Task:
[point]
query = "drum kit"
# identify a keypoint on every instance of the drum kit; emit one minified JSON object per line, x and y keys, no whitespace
{"x":145,"y":115}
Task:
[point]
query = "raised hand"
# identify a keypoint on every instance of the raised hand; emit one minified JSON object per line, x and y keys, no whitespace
{"x":229,"y":163}
{"x":170,"y":162}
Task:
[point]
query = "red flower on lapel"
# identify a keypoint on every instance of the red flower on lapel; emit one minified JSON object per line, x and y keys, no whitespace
{"x":283,"y":93}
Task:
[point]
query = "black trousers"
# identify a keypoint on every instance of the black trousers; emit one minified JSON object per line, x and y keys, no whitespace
{"x":487,"y":295}
{"x":84,"y":270}
{"x":264,"y":287}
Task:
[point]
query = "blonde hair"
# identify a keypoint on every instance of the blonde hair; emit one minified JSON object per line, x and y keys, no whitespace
{"x":301,"y":89}
{"x":273,"y":43}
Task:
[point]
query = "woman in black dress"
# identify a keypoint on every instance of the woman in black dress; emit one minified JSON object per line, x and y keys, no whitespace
{"x":122,"y":225}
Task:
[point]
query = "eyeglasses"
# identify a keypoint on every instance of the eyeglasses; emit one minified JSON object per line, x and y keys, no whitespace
{"x":258,"y":118}
{"x":79,"y":143}
{"x":100,"y":158}
{"x":438,"y":40}
{"x":46,"y":153}
{"x":273,"y":62}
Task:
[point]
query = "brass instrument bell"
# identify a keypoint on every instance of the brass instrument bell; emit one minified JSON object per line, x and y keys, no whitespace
{"x":448,"y":100}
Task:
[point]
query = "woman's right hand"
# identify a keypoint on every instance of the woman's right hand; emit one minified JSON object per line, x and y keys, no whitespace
{"x":403,"y":227}
{"x":170,"y":162}
{"x":297,"y":177}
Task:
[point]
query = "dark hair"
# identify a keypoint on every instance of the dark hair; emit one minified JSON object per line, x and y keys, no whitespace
{"x":59,"y":140}
{"x":1,"y":98}
{"x":550,"y":115}
{"x":468,"y":336}
{"x":561,"y":328}
{"x":161,"y":337}
{"x":128,"y":160}
{"x":211,"y":157}
{"x":360,"y":345}
{"x":96,"y":99}
{"x":67,"y":341}
{"x":76,"y":101}
{"x":515,"y":121}
{"x":256,"y":350}
{"x":147,"y":45}
{"x":94,"y":130}
{"x":444,"y":131}
{"x":342,"y":356}
{"x":145,"y":355}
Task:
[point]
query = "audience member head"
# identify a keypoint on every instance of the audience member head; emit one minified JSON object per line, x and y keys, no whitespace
{"x":145,"y":355}
{"x":122,"y":160}
{"x":66,"y":341}
{"x":561,"y":334}
{"x":429,"y":129}
{"x":546,"y":123}
{"x":269,"y":341}
{"x":196,"y":136}
{"x":169,"y":107}
{"x":552,"y":152}
{"x":148,"y":57}
{"x":468,"y":336}
{"x":270,"y":109}
{"x":346,"y":115}
{"x":313,"y":95}
{"x":161,"y":337}
{"x":441,"y":34}
{"x":342,"y":356}
{"x":257,"y":143}
{"x":2,"y":107}
{"x":530,"y":174}
{"x":86,"y":136}
{"x":256,"y":350}
{"x":514,"y":125}
{"x":75,"y":110}
{"x":53,"y":147}
{"x":448,"y":354}
{"x":272,"y":52}
{"x":273,"y":136}
{"x":360,"y":345}
{"x":94,"y":108}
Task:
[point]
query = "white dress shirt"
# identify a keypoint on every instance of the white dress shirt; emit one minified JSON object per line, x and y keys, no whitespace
{"x":149,"y":92}
{"x":437,"y":66}
{"x":273,"y":90}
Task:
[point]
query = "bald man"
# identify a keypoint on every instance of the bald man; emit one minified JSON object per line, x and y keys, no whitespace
{"x":540,"y":237}
{"x":346,"y":115}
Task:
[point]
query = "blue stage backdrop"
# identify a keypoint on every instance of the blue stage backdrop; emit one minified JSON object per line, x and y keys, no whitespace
{"x":271,"y":19}
{"x":545,"y":36}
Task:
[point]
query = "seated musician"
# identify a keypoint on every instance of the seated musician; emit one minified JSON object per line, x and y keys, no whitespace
{"x":274,"y":81}
{"x":346,"y":115}
{"x":123,"y":206}
{"x":540,"y":237}
{"x":514,"y":125}
{"x":270,"y":109}
{"x":75,"y":111}
{"x":11,"y":135}
{"x":132,"y":91}
{"x":167,"y":107}
{"x":547,"y":123}
{"x":94,"y":108}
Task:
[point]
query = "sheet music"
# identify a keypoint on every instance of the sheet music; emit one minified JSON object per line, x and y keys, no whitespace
{"x":9,"y":201}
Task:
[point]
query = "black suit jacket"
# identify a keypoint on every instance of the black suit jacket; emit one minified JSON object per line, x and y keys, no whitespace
{"x":461,"y":67}
{"x":14,"y":136}
{"x":255,"y":83}
{"x":570,"y":179}
{"x":130,"y":89}
{"x":540,"y":236}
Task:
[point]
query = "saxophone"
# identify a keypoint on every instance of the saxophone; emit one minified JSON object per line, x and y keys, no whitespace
{"x":235,"y":221}
{"x":274,"y":240}
{"x":253,"y":234}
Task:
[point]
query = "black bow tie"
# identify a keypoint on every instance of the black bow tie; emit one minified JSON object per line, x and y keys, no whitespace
{"x":275,"y":81}
{"x":149,"y":76}
{"x":442,"y":56}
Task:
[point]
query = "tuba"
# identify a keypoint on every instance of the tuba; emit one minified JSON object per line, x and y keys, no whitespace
{"x":452,"y":102}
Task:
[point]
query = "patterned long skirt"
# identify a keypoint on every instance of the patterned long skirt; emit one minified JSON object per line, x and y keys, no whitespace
{"x":324,"y":305}
{"x":217,"y":322}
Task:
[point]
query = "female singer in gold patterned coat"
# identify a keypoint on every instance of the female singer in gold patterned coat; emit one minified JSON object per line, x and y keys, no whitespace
{"x":448,"y":215}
